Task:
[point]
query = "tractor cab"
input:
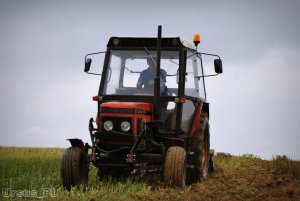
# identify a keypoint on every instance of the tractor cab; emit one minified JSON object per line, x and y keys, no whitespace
{"x":130,"y":74}
{"x":152,"y":111}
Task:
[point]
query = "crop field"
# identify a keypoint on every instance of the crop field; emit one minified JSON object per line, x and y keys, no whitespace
{"x":34,"y":174}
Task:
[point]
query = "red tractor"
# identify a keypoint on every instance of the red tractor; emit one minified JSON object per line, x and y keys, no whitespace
{"x":152,"y":113}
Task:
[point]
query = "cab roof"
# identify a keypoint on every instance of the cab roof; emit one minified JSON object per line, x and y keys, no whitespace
{"x":176,"y":42}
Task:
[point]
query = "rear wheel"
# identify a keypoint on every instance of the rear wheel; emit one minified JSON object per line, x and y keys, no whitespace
{"x":175,"y":167}
{"x":200,"y":147}
{"x":211,"y":165}
{"x":205,"y":156}
{"x":74,"y":167}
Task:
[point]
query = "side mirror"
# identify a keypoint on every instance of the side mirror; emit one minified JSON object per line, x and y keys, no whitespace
{"x":87,"y":66}
{"x":218,"y":66}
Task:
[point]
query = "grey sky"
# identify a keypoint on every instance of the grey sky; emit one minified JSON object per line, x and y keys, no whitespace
{"x":46,"y":97}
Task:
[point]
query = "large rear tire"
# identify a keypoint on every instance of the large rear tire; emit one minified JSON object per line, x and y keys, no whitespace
{"x":200,"y":144}
{"x":74,"y":168}
{"x":175,"y":167}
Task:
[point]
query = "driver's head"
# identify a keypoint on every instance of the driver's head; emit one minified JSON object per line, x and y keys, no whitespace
{"x":151,"y":64}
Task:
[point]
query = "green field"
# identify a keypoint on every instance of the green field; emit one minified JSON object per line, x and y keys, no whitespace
{"x":34,"y":173}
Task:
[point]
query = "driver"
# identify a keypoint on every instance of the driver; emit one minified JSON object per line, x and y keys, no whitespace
{"x":147,"y":77}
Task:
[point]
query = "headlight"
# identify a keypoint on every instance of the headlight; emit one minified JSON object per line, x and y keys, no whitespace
{"x":125,"y":126}
{"x":108,"y":125}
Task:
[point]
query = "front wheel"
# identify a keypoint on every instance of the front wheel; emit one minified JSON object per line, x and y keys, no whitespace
{"x":175,"y":167}
{"x":74,"y":167}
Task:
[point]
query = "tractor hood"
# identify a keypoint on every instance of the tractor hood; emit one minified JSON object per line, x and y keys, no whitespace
{"x":126,"y":107}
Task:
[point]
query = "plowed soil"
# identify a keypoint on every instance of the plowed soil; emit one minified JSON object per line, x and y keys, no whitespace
{"x":235,"y":178}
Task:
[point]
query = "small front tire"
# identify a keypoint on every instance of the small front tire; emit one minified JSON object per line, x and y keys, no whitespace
{"x":74,"y":167}
{"x":175,"y":167}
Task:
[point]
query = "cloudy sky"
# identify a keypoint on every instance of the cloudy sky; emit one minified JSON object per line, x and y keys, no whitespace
{"x":254,"y":104}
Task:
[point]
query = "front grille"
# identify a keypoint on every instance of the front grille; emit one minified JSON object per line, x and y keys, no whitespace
{"x":117,"y":124}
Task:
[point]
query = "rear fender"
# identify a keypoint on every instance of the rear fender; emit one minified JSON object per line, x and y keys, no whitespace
{"x":196,"y":119}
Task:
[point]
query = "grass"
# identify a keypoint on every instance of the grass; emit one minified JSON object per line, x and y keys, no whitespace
{"x":31,"y":171}
{"x":29,"y":168}
{"x":35,"y":172}
{"x":282,"y":165}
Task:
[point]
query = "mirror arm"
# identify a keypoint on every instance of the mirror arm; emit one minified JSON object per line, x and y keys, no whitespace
{"x":85,"y":58}
{"x":85,"y":61}
{"x":206,"y":76}
{"x":94,"y":74}
{"x":170,"y":75}
{"x":209,"y":54}
{"x":92,"y":54}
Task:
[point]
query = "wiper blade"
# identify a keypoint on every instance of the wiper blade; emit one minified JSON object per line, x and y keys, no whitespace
{"x":150,"y":55}
{"x":154,"y":63}
{"x":131,"y":71}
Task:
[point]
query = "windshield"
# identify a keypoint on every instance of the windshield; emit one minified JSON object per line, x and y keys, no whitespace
{"x":133,"y":73}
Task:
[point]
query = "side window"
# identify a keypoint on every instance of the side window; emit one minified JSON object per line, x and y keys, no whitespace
{"x":191,"y":83}
{"x":193,"y":86}
{"x":201,"y":80}
{"x":113,"y":75}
